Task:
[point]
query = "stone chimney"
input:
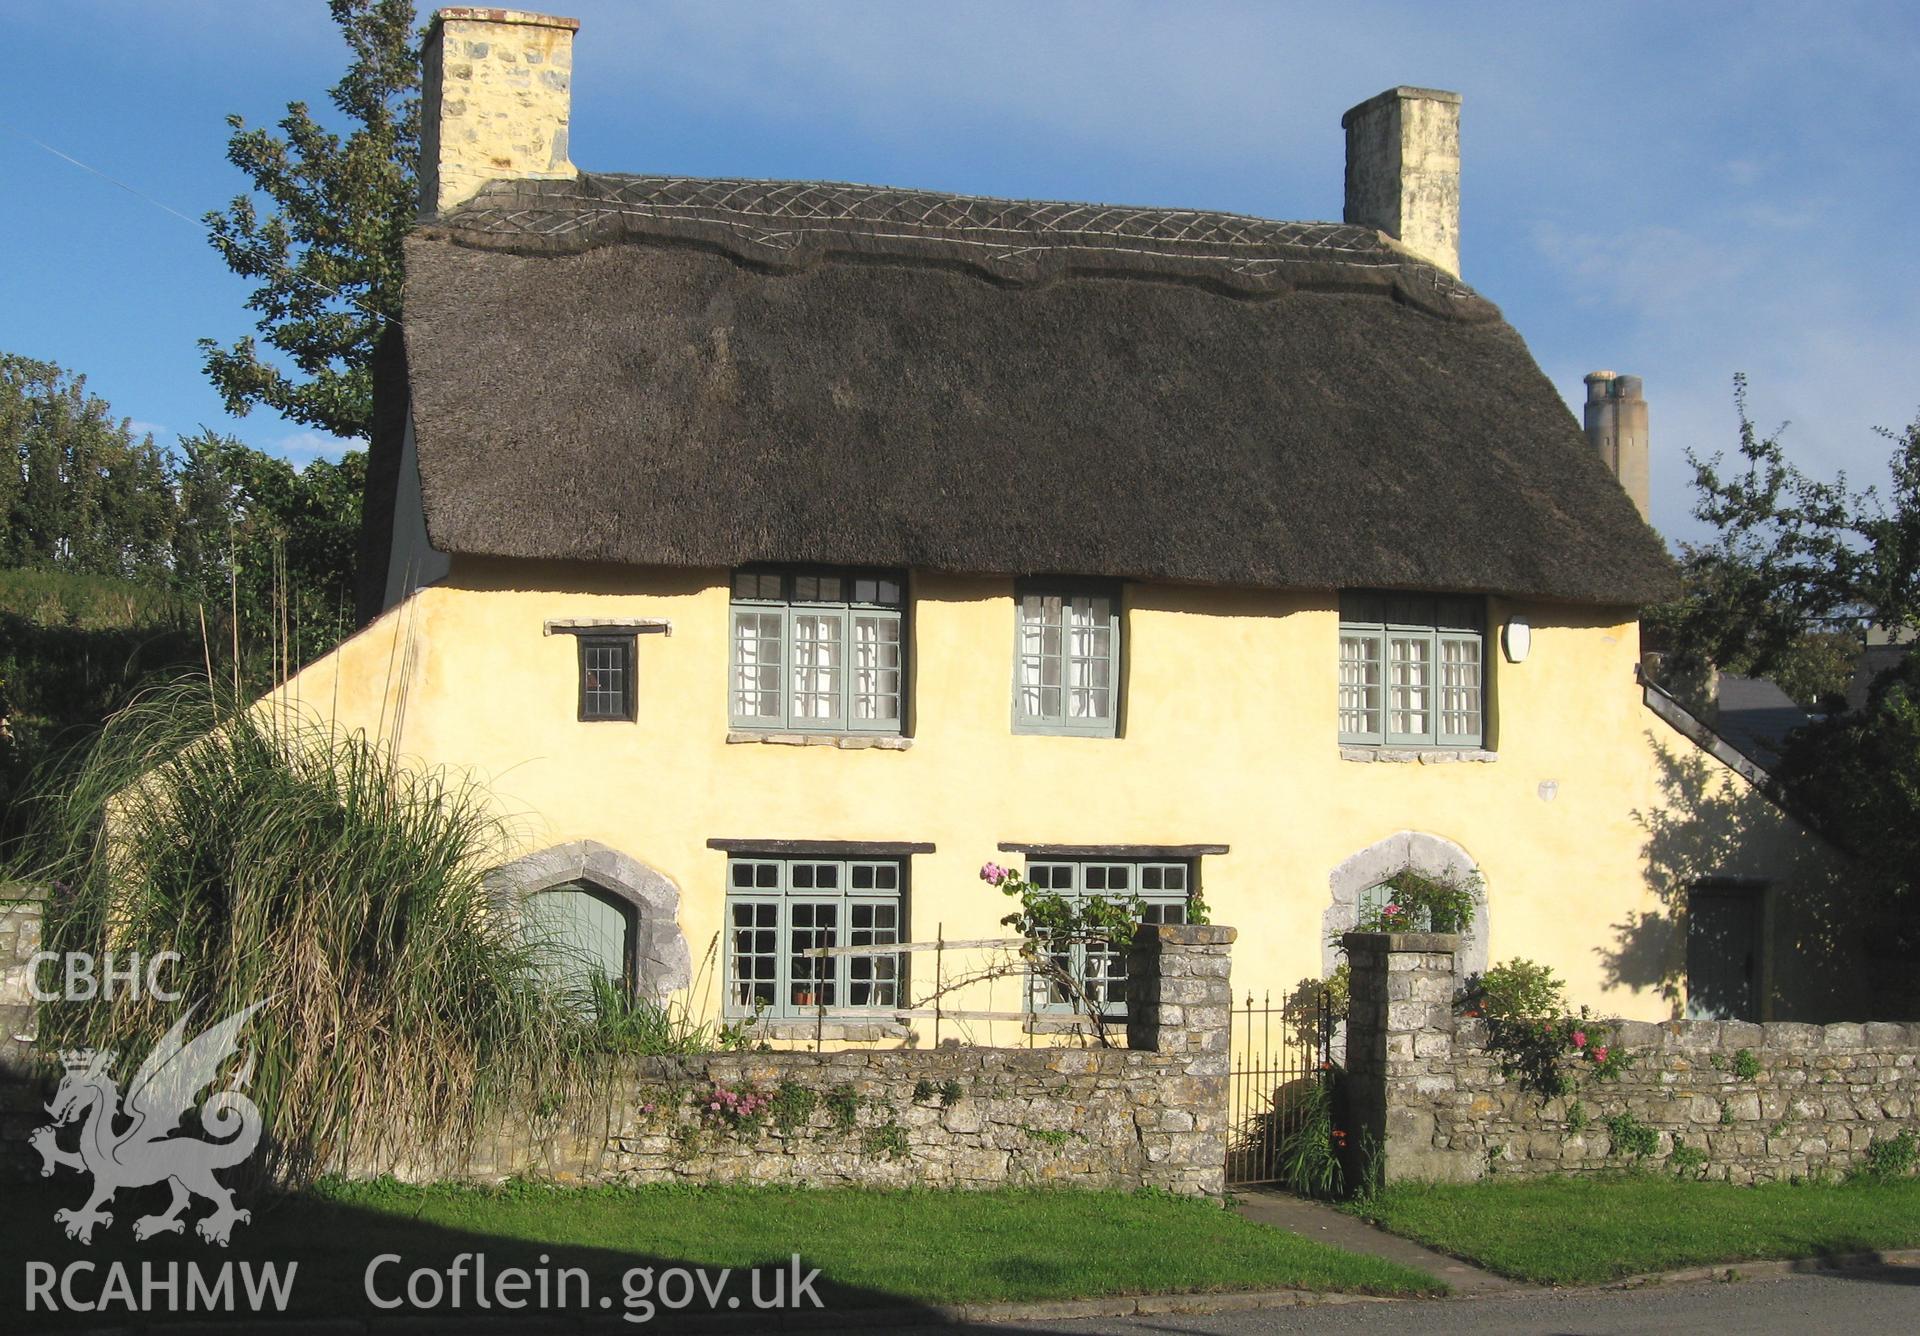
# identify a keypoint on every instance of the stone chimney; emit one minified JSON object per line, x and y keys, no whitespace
{"x":1617,"y":426}
{"x":1403,"y":170}
{"x":495,"y":96}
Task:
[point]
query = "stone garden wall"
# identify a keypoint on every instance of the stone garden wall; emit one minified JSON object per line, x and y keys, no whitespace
{"x":20,"y":914}
{"x":1153,"y":1114}
{"x":1723,"y":1100}
{"x":20,"y":1094}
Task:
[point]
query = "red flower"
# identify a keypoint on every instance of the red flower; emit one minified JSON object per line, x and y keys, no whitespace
{"x":1579,"y":1038}
{"x":1599,"y":1052}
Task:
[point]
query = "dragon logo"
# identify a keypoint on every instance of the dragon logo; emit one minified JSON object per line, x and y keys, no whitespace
{"x":147,"y":1152}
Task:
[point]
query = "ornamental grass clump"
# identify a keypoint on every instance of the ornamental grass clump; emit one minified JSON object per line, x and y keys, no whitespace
{"x":619,"y":1021}
{"x":307,"y":869}
{"x":1311,"y":1145}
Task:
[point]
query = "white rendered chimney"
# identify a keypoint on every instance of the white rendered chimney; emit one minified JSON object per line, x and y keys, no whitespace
{"x":1403,"y":170}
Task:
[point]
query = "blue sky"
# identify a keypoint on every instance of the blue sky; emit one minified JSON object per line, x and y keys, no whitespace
{"x":1680,"y":191}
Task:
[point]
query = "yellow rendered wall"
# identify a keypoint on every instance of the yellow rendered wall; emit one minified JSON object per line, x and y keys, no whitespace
{"x":1229,"y":737}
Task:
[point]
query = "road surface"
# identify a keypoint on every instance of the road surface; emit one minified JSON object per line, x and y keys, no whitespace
{"x":1864,"y":1302}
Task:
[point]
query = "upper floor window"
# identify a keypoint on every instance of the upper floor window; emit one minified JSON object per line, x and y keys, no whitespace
{"x":819,"y":651}
{"x":1067,"y":660}
{"x":1100,"y":968}
{"x":1412,"y":670}
{"x":782,"y":911}
{"x":606,"y":677}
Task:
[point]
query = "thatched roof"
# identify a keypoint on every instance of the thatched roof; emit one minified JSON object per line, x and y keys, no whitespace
{"x":654,"y":370}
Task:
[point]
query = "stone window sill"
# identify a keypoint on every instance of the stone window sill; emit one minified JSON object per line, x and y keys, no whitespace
{"x":844,"y":741}
{"x":844,"y":1029}
{"x":1418,"y":755}
{"x":1062,"y":1023}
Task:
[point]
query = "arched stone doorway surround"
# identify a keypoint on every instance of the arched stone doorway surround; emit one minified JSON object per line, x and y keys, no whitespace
{"x":1432,"y":855}
{"x":659,"y":961}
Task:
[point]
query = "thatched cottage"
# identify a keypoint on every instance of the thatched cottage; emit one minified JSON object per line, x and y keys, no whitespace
{"x":780,"y":552}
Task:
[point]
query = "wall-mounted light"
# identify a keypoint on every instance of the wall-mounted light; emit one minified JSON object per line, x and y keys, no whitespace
{"x":1516,"y":637}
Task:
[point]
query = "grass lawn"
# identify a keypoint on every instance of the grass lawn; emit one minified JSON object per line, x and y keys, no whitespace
{"x":1581,"y":1231}
{"x":872,"y":1248}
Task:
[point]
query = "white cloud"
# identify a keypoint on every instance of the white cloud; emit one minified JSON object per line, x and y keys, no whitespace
{"x":1649,"y":270}
{"x":301,"y":448}
{"x":1822,"y":355}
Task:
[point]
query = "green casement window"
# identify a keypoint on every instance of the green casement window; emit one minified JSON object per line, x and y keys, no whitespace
{"x":818,"y":651}
{"x":780,"y":908}
{"x":1066,"y":676}
{"x":606,"y":677}
{"x":1412,"y":670}
{"x":1101,"y":967}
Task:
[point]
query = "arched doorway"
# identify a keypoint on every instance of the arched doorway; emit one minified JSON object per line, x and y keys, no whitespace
{"x":1356,"y":881}
{"x":614,"y":914}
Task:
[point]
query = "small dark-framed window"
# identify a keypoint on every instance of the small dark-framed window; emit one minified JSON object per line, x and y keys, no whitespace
{"x":606,"y":677}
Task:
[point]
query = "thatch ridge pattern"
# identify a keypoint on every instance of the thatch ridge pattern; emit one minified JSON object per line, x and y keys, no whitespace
{"x":794,"y":224}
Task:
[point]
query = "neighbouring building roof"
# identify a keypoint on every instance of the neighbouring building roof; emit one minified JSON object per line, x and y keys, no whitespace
{"x":1873,"y":661}
{"x":656,"y":370}
{"x":1690,"y":726}
{"x":1755,"y":715}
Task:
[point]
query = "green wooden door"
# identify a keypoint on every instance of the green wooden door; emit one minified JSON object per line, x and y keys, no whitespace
{"x":1723,"y":955}
{"x":586,"y":932}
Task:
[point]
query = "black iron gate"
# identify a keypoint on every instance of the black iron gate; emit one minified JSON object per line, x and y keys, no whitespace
{"x":1280,"y":1064}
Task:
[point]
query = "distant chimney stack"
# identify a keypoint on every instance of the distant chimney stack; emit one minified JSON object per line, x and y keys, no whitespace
{"x":495,"y":98}
{"x":1403,"y":170}
{"x":1617,"y":426}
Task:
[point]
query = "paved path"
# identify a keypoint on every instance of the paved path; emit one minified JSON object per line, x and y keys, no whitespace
{"x":1869,"y":1301}
{"x":1313,"y":1220}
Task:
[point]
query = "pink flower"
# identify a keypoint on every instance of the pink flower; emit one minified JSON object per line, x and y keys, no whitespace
{"x":993,"y":874}
{"x":1579,"y":1038}
{"x":1391,"y":910}
{"x":1599,"y":1052}
{"x":715,"y":1106}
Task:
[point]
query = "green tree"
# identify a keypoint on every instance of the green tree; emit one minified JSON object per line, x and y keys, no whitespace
{"x":327,"y":250}
{"x":1791,"y":554}
{"x":277,"y":542}
{"x":81,"y":492}
{"x":1793,"y":551}
{"x":1857,"y":775}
